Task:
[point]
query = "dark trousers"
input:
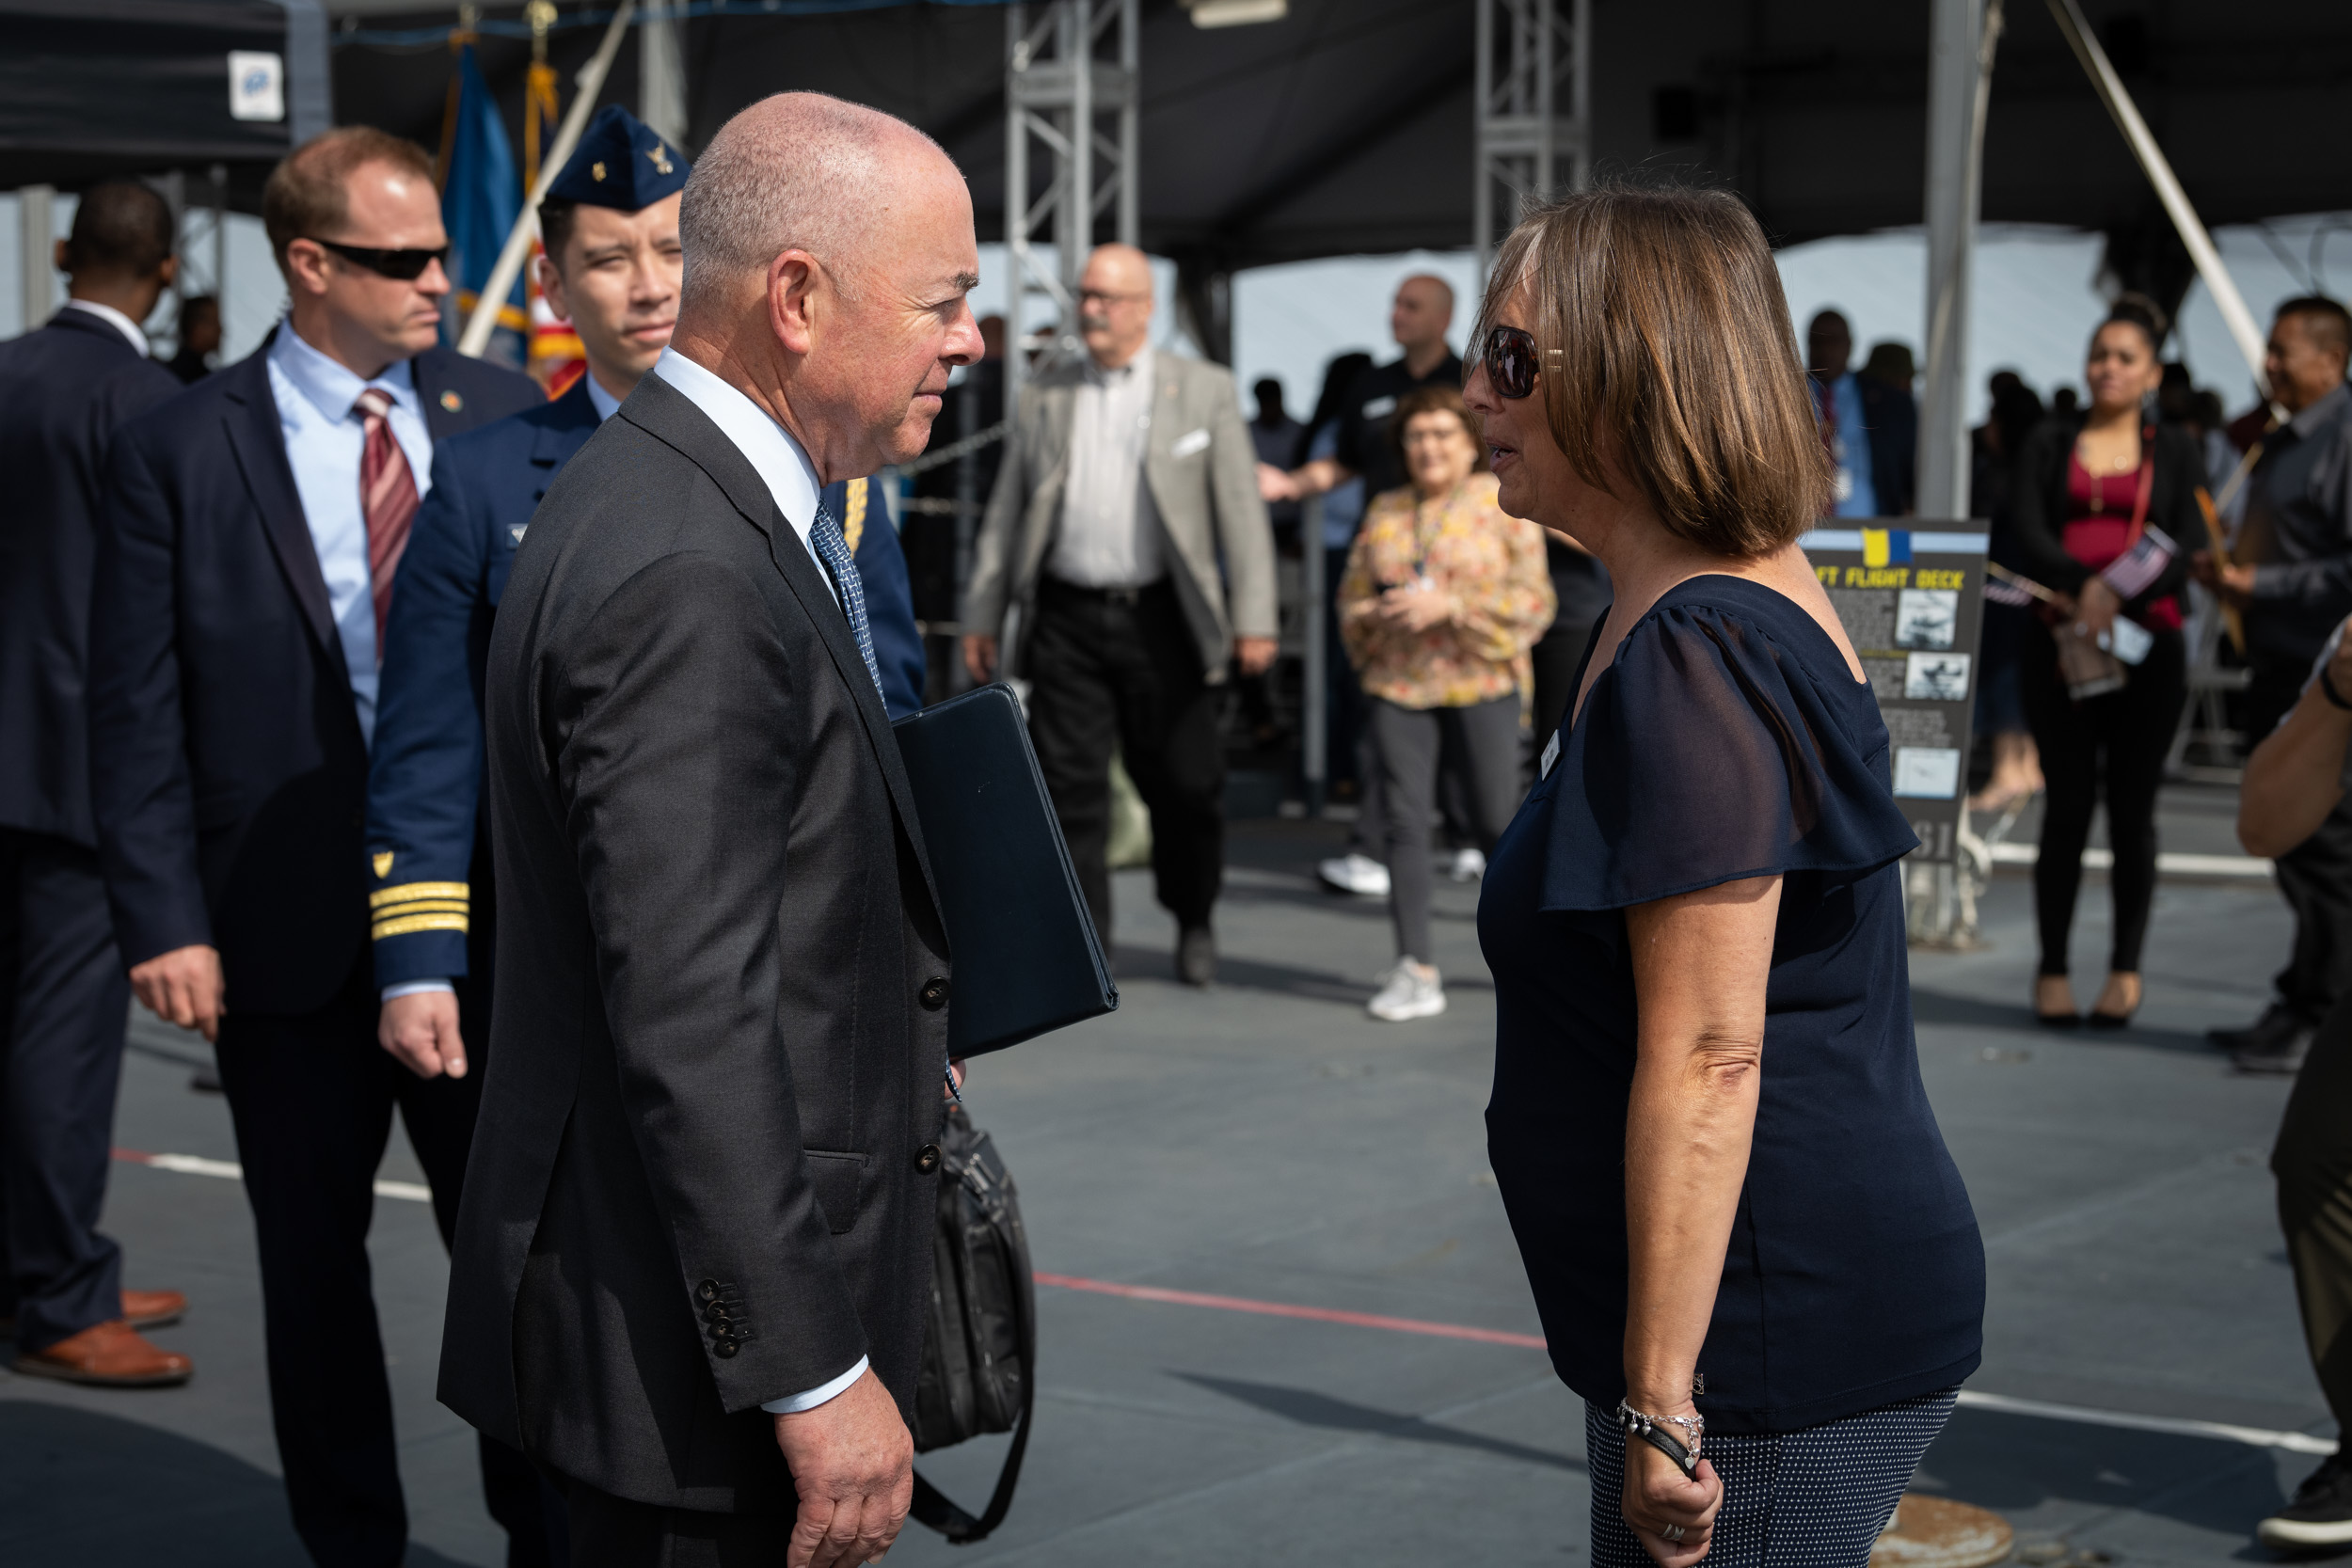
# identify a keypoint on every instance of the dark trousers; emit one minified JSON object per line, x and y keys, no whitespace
{"x":311,"y":1096}
{"x":2313,"y":1161}
{"x":2315,"y":876}
{"x":1407,"y":741}
{"x":2113,"y":744}
{"x":615,"y":1532}
{"x":1120,"y":668}
{"x":63,"y":1003}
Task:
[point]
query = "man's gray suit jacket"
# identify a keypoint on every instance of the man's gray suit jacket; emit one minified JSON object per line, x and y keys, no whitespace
{"x":1202,"y":471}
{"x":698,"y":1182}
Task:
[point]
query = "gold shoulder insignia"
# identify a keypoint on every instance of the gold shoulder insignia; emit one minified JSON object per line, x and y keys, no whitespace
{"x":597,"y":169}
{"x":382,"y":861}
{"x":451,"y":401}
{"x":661,"y":157}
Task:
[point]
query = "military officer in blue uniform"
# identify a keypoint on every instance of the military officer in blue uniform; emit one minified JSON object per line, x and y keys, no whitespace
{"x":613,"y":265}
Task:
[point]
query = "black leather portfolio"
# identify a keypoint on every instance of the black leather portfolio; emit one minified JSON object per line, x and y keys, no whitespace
{"x":1026,"y":959}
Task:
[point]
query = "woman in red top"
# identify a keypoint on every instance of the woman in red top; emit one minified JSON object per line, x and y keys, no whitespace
{"x":2107,"y":517}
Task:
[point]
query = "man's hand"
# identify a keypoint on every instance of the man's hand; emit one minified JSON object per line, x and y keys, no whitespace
{"x":2234,"y":584}
{"x":853,"y":1464}
{"x":182,"y":987}
{"x":1274,"y":484}
{"x":422,"y":1030}
{"x":979,"y":655}
{"x":1255,"y":653}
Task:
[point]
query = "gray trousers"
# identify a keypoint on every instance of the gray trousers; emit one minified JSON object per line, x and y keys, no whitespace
{"x":1406,"y":741}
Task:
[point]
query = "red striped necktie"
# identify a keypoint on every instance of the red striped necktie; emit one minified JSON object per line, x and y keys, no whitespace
{"x":388,"y":499}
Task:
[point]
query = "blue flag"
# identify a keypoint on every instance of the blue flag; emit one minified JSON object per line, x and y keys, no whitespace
{"x":481,"y":196}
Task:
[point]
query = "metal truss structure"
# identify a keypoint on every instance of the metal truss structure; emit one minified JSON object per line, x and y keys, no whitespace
{"x":1532,"y":102}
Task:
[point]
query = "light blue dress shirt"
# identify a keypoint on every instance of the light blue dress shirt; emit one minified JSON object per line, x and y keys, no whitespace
{"x":325,"y":440}
{"x":1858,"y":497}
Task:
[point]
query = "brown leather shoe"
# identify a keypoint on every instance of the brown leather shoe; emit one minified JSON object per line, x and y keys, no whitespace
{"x":140,"y":1309}
{"x":153,"y":1308}
{"x":110,"y":1356}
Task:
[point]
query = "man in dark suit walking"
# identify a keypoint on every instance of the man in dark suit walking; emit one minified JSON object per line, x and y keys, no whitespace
{"x":64,"y":390}
{"x":693,"y":1256}
{"x":244,"y":566}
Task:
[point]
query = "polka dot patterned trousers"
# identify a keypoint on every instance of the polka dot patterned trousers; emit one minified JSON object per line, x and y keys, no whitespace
{"x":1814,"y":1498}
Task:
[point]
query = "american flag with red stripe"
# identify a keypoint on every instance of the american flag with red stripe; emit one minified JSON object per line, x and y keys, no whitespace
{"x":2137,"y":570}
{"x":1999,"y":591}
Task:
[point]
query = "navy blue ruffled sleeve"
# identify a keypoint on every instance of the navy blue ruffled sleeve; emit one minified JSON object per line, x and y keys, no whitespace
{"x":1709,"y":751}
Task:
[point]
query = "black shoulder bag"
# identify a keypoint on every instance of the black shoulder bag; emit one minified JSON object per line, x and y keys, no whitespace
{"x":980,"y":1343}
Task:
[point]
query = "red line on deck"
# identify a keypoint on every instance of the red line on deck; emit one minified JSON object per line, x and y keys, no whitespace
{"x":1283,"y":1310}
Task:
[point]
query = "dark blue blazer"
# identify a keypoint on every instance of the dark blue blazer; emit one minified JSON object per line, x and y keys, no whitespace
{"x":64,"y":390}
{"x":430,"y":894}
{"x":228,"y":770}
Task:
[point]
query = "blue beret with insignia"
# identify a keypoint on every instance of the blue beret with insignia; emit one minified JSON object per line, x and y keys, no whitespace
{"x":621,"y":162}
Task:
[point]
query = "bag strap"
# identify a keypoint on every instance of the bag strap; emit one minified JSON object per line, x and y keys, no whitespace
{"x":934,"y":1508}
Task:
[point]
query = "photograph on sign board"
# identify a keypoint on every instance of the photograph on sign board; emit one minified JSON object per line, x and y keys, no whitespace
{"x":1936,"y":677}
{"x":1926,"y":772}
{"x":1927,"y":617}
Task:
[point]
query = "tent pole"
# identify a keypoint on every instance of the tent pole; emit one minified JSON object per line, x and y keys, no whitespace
{"x":510,"y":263}
{"x":36,"y":224}
{"x":1962,"y":35}
{"x":2176,"y":206}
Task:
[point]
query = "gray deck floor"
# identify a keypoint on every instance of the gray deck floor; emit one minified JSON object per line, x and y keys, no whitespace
{"x":1269,"y":1141}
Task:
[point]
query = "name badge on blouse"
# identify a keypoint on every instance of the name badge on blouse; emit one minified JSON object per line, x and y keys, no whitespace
{"x":1551,"y":754}
{"x":1188,"y":443}
{"x":1378,"y":408}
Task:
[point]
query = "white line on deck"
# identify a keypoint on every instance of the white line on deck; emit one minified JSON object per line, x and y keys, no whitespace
{"x":195,"y":1165}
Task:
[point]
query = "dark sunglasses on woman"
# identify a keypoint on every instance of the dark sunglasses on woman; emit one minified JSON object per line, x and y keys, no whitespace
{"x":405,"y":265}
{"x":1512,"y":360}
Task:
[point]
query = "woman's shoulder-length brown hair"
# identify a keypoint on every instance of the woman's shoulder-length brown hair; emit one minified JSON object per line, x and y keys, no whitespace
{"x":1435,"y":398}
{"x":1668,"y":354}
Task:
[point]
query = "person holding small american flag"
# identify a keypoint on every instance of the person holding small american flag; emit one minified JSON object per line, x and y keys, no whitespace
{"x":2106,"y":518}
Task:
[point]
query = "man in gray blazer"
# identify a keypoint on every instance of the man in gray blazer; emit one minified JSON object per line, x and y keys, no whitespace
{"x":1127,"y":532}
{"x":693,"y":1254}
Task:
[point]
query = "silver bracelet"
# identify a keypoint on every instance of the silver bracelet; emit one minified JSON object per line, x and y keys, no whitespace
{"x":1642,"y":1424}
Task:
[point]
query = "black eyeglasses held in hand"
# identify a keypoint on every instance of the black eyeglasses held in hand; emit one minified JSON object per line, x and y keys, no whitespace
{"x":405,"y":265}
{"x":1513,"y":361}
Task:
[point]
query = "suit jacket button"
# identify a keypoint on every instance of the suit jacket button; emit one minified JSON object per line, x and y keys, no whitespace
{"x":724,"y":1349}
{"x":708,"y":1289}
{"x":926,"y":1161}
{"x":934,"y":993}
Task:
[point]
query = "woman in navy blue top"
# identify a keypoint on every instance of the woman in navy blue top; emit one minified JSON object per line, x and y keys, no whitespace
{"x":1754,"y":1258}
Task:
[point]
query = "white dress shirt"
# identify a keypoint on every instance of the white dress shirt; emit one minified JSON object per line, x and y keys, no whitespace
{"x":1109,"y":536}
{"x":791,"y":478}
{"x":114,"y":317}
{"x":325,"y":440}
{"x":771,"y":450}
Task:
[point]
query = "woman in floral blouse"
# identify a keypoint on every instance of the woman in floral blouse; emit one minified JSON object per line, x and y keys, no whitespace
{"x":1442,"y":597}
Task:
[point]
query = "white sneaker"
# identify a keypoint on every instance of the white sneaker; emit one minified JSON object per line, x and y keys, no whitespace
{"x":1407,"y":991}
{"x":1352,"y":872}
{"x":1469,"y":865}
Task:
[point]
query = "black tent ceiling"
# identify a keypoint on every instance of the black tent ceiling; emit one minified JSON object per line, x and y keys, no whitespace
{"x":94,"y":88}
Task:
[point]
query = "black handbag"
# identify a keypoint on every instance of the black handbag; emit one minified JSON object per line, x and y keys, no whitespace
{"x":979,"y":1342}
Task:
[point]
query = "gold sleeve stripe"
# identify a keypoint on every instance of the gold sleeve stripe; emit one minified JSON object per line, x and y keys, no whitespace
{"x":424,"y":905}
{"x":419,"y":923}
{"x":407,"y":890}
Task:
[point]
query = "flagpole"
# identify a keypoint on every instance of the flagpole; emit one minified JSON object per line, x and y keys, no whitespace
{"x":485,"y":319}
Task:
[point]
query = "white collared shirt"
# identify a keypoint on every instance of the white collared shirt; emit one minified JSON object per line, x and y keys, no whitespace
{"x":1109,"y":536}
{"x":325,"y":441}
{"x":771,"y":450}
{"x":114,"y":317}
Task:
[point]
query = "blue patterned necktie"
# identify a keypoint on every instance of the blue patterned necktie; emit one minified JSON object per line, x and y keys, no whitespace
{"x":825,"y":534}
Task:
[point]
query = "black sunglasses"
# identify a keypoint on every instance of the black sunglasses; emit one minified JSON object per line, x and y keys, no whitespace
{"x":1512,"y":360}
{"x":405,"y":265}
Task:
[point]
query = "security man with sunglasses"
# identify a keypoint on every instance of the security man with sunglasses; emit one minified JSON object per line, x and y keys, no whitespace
{"x":246,"y":550}
{"x":613,"y":267}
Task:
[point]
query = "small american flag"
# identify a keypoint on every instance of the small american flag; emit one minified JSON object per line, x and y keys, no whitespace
{"x":2137,"y":570}
{"x":1997,"y":592}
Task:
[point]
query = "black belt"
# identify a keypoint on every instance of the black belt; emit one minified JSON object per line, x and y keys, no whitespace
{"x":1062,"y":589}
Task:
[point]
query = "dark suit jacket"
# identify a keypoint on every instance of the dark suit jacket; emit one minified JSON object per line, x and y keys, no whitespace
{"x":721,"y":1029}
{"x":1891,"y":419}
{"x":64,"y":390}
{"x":226,"y":763}
{"x":424,"y":770}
